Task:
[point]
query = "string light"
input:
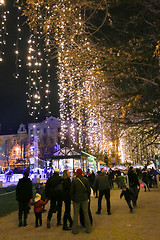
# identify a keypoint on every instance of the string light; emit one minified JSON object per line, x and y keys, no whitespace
{"x":84,"y":89}
{"x":1,"y":2}
{"x":39,"y":83}
{"x":48,"y":75}
{"x":75,"y":99}
{"x":133,"y":149}
{"x":3,"y":31}
{"x":18,"y":39}
{"x":75,"y":77}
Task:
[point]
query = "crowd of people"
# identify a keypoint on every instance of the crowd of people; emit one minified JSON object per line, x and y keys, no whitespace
{"x":77,"y":189}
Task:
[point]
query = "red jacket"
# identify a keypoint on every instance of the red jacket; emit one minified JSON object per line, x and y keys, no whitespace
{"x":38,"y":206}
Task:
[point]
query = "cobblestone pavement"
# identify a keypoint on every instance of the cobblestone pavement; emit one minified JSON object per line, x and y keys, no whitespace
{"x":142,"y":224}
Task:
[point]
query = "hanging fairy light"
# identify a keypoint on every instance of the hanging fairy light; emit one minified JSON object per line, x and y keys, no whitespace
{"x":39,"y":84}
{"x":63,"y":80}
{"x":3,"y":31}
{"x":18,"y":39}
{"x":80,"y":93}
{"x":48,"y":76}
{"x":134,"y":145}
{"x":74,"y":96}
{"x":34,"y":80}
{"x":1,"y":2}
{"x":39,"y":76}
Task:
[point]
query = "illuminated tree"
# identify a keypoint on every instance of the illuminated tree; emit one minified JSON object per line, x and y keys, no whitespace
{"x":107,"y":69}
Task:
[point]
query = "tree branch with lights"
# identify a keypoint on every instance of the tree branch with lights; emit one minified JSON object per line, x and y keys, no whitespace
{"x":106,"y":69}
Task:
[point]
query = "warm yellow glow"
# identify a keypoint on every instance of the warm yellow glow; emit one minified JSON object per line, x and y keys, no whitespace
{"x":17,"y":150}
{"x":1,"y":1}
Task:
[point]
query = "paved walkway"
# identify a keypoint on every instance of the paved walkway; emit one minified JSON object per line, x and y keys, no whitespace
{"x":143,"y":224}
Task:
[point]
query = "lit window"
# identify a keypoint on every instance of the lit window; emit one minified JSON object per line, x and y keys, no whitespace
{"x":38,"y":130}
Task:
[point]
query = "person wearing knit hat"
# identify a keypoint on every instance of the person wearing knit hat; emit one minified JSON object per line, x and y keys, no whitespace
{"x":38,"y":208}
{"x":79,"y":171}
{"x":80,"y":194}
{"x":37,"y":197}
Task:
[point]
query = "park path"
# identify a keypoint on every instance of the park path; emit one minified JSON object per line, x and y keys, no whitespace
{"x":143,"y":224}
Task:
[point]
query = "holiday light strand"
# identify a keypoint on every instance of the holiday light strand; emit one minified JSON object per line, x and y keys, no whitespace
{"x":84,"y":89}
{"x":3,"y":31}
{"x":133,"y":149}
{"x":38,"y":94}
{"x":18,"y":40}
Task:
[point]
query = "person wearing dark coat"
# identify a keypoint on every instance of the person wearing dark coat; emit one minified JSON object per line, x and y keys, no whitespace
{"x":80,"y":192}
{"x":53,"y":191}
{"x":81,"y":215}
{"x":150,"y":177}
{"x":91,"y":178}
{"x":128,"y":195}
{"x":111,"y":177}
{"x":102,"y":183}
{"x":67,"y":200}
{"x":145,"y":179}
{"x":23,"y":195}
{"x":134,"y":184}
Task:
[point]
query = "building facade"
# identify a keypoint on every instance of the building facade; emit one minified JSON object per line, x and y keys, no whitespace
{"x":34,"y":147}
{"x":13,"y":149}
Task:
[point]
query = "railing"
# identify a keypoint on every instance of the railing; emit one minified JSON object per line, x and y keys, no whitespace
{"x":15,"y":177}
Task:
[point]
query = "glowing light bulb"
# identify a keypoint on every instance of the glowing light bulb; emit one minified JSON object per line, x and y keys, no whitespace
{"x":1,"y":1}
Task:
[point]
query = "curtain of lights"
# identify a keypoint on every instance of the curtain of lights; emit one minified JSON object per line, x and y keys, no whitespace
{"x":39,"y":76}
{"x":79,"y":88}
{"x":18,"y":39}
{"x":81,"y":84}
{"x":135,"y":145}
{"x":3,"y":32}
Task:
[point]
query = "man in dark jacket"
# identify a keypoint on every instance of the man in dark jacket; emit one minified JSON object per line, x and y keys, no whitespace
{"x":80,"y":193}
{"x":23,"y":196}
{"x":102,"y":183}
{"x":53,"y":191}
{"x":134,"y":185}
{"x":91,"y":178}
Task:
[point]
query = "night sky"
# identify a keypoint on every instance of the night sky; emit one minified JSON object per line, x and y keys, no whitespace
{"x":13,"y":109}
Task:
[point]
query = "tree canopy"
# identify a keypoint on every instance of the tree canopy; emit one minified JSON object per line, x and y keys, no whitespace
{"x":108,"y":65}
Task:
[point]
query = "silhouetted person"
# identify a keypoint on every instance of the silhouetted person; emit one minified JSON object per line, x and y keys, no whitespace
{"x":67,"y":200}
{"x":145,"y":179}
{"x":23,"y":196}
{"x":53,"y":191}
{"x":80,"y":192}
{"x":128,"y":195}
{"x":134,"y":185}
{"x":102,"y":183}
